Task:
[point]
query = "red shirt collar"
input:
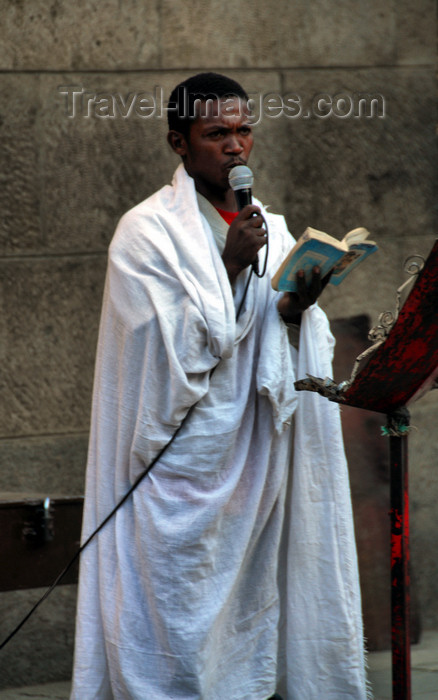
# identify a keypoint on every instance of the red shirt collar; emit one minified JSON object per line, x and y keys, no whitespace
{"x":228,"y":216}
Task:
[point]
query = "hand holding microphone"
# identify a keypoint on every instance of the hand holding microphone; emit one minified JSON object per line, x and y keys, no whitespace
{"x":246,"y":234}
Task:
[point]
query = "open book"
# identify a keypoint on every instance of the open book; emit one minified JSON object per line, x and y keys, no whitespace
{"x":318,"y":248}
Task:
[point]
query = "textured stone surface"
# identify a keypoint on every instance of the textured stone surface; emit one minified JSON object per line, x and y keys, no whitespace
{"x":423,"y":470}
{"x":379,"y":173}
{"x":294,"y":34}
{"x":44,"y":465}
{"x":61,"y":35}
{"x":135,"y":35}
{"x":68,"y":180}
{"x":415,"y":24}
{"x":49,"y":319}
{"x":42,"y":650}
{"x":20,"y":107}
{"x":97,"y":167}
{"x":376,"y":172}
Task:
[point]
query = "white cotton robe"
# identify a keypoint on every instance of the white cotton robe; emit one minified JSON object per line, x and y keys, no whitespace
{"x":228,"y":574}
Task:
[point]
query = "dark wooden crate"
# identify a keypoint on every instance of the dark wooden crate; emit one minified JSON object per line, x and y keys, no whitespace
{"x":26,"y":560}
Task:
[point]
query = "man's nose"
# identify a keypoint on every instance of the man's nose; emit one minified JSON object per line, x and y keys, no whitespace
{"x":233,"y":144}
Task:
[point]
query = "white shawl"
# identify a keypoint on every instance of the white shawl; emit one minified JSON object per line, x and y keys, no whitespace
{"x":200,"y":587}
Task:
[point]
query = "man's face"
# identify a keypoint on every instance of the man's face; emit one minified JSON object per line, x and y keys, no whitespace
{"x":219,"y":138}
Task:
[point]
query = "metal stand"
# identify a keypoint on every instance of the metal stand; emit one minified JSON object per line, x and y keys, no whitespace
{"x":402,"y":366}
{"x":400,"y":597}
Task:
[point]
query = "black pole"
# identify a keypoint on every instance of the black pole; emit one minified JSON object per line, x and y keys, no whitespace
{"x":398,"y":426}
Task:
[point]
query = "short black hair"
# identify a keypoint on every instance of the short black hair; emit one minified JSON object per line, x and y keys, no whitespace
{"x":203,"y":86}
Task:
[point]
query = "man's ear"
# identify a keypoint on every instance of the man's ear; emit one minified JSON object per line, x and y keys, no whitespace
{"x":177,"y":142}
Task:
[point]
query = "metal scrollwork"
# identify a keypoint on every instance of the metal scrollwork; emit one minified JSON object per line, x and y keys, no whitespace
{"x":385,"y":323}
{"x":414,"y":264}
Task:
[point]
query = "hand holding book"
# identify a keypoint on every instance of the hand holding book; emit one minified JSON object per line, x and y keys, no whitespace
{"x":292,"y":304}
{"x":318,"y":249}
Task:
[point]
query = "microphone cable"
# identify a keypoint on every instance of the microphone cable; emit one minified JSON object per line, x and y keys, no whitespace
{"x":265,"y":264}
{"x":255,"y":270}
{"x":134,"y":485}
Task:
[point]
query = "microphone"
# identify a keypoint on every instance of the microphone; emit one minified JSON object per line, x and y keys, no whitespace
{"x":241,"y":180}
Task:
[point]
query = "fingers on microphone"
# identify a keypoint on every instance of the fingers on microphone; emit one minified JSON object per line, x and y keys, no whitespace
{"x":262,"y":239}
{"x":255,"y":210}
{"x":256,"y":220}
{"x":249,"y":211}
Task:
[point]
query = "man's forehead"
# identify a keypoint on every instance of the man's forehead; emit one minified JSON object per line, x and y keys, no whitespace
{"x":225,"y":109}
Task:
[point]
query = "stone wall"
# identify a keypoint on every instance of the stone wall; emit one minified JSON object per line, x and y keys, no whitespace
{"x":68,"y":174}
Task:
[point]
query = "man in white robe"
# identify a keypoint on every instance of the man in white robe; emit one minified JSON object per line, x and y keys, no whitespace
{"x":228,"y":574}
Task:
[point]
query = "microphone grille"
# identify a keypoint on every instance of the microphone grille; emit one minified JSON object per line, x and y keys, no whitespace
{"x":240,"y":177}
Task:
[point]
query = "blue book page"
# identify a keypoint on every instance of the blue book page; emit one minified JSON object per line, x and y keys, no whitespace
{"x":356,"y":254}
{"x":311,"y":253}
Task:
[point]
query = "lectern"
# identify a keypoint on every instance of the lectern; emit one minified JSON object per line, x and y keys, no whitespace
{"x":398,"y":369}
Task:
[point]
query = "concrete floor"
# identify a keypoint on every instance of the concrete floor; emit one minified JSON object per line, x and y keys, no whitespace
{"x":51,"y":691}
{"x":424,"y":667}
{"x":424,"y":663}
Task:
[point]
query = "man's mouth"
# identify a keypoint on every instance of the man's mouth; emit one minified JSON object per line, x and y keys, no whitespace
{"x":229,"y":166}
